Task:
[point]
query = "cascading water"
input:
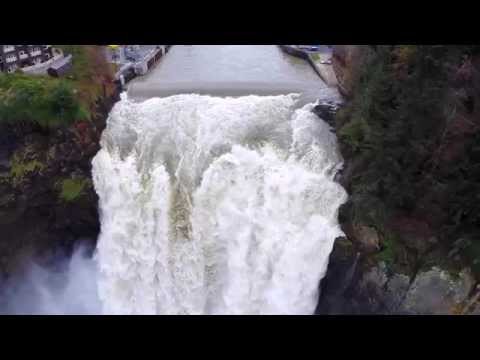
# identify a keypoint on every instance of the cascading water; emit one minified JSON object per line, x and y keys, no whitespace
{"x":215,"y":206}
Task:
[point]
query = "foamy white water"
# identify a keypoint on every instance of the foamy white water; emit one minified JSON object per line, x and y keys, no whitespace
{"x":215,"y":206}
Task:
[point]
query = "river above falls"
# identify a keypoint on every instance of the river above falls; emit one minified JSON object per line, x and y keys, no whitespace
{"x":230,"y":70}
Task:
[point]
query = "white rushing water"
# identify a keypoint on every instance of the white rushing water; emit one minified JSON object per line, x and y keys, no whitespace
{"x":215,"y":205}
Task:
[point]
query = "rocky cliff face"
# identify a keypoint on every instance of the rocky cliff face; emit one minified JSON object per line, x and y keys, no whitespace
{"x":345,"y":59}
{"x":407,"y":250}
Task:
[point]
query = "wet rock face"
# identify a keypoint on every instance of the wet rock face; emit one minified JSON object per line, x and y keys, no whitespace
{"x":344,"y":60}
{"x":352,"y":287}
{"x":341,"y":272}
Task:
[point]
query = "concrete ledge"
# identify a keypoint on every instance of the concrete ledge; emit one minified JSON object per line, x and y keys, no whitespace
{"x":166,"y":88}
{"x":140,"y":91}
{"x":324,"y":71}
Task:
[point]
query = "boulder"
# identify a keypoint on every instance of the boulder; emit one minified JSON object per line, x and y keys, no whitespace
{"x":396,"y":290}
{"x":437,"y":292}
{"x":326,"y":111}
{"x":367,"y":238}
{"x":377,"y":290}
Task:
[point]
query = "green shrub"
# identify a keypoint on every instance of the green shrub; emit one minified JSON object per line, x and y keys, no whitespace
{"x":91,"y":73}
{"x":397,"y":114}
{"x":43,"y":100}
{"x":20,"y":168}
{"x":71,"y":189}
{"x":354,"y":133}
{"x":80,"y":63}
{"x":389,"y":250}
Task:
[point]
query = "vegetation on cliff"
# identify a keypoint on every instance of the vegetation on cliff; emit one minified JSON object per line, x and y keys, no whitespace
{"x":410,"y":136}
{"x":71,"y":189}
{"x":51,"y":102}
{"x":91,"y":74}
{"x":45,"y":101}
{"x":49,"y":132}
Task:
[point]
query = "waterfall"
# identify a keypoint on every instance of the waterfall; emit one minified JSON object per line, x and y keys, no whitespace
{"x":214,"y":205}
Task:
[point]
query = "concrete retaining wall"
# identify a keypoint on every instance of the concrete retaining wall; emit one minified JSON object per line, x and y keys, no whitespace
{"x":123,"y":76}
{"x":291,"y":50}
{"x":324,"y":72}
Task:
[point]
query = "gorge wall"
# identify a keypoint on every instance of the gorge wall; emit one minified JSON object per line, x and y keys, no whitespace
{"x":409,"y":136}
